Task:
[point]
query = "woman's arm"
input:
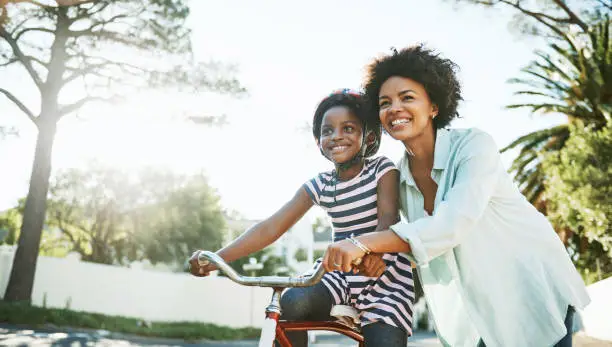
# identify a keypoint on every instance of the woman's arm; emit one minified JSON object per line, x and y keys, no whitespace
{"x":261,"y":234}
{"x":478,"y":171}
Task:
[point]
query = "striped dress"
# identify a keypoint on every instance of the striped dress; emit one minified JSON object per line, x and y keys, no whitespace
{"x":352,"y":207}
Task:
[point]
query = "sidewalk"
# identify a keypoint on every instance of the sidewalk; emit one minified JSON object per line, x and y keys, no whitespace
{"x":18,"y":336}
{"x":419,"y":339}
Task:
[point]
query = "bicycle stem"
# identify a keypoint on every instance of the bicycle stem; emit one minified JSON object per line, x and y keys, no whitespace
{"x":274,"y":306}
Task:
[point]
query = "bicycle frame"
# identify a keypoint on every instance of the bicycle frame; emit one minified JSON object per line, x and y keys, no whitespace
{"x":273,"y":312}
{"x":273,"y":328}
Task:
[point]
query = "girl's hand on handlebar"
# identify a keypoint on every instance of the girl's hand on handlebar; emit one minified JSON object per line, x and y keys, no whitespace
{"x":198,"y":270}
{"x":372,"y":265}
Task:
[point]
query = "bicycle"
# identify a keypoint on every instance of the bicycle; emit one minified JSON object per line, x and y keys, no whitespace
{"x":274,"y":328}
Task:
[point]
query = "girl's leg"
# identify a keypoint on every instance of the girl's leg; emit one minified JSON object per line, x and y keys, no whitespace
{"x":383,"y":334}
{"x":308,"y":303}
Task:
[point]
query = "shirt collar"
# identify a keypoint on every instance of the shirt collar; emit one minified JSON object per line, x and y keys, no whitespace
{"x":441,"y":153}
{"x":441,"y":149}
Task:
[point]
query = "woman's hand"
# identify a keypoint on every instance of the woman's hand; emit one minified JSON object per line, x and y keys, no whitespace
{"x":372,"y":265}
{"x":341,"y":255}
{"x":196,"y":269}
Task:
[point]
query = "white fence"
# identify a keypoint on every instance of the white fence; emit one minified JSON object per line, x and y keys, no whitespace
{"x":146,"y":294}
{"x":163,"y":296}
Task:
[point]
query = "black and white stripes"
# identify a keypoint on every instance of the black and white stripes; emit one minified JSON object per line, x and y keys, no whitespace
{"x":352,"y":207}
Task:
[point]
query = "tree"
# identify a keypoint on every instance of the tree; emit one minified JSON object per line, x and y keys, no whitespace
{"x":575,"y":81}
{"x":90,"y":211}
{"x":109,"y":218}
{"x":181,"y":221}
{"x":550,"y":19}
{"x":301,"y":254}
{"x":10,"y":221}
{"x":579,"y":191}
{"x":77,"y":51}
{"x":572,"y":77}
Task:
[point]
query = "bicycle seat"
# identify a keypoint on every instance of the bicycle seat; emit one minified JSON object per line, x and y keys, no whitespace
{"x":346,"y":315}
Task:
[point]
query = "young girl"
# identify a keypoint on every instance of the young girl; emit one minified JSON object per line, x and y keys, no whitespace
{"x":361,"y":196}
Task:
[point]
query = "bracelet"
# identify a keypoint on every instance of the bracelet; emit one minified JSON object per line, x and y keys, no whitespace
{"x":358,"y":243}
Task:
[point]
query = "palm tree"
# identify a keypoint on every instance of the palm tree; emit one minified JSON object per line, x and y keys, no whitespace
{"x":576,"y":81}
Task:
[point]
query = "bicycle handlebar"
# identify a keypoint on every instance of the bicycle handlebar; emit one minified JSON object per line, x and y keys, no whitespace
{"x":206,"y":257}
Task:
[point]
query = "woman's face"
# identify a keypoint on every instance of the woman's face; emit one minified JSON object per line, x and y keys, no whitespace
{"x":405,"y":110}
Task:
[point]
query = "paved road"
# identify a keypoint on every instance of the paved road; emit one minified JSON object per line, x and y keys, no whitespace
{"x":12,"y":336}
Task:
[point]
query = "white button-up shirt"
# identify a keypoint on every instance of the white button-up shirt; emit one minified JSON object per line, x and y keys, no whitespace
{"x":491,"y":265}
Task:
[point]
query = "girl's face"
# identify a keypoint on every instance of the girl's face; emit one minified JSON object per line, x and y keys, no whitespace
{"x":341,"y":134}
{"x":405,"y":110}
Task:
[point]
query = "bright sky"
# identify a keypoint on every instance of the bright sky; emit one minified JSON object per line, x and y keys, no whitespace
{"x":289,"y":55}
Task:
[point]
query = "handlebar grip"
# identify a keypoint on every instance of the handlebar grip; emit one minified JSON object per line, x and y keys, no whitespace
{"x":201,"y":262}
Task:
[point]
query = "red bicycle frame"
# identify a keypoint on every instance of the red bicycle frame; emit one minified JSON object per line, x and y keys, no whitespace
{"x":273,"y":312}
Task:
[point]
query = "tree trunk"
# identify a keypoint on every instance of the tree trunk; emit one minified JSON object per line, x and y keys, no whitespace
{"x":24,"y":265}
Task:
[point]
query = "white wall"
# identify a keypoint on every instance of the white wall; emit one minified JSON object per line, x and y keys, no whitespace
{"x":597,"y":316}
{"x":163,"y":296}
{"x":146,"y":294}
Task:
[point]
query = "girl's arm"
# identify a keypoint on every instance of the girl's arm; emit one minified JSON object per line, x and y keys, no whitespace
{"x":344,"y":252}
{"x":261,"y":234}
{"x":387,"y":195}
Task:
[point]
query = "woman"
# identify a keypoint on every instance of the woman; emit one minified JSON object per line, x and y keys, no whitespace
{"x":493,"y":271}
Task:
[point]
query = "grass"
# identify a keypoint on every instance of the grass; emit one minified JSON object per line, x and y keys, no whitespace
{"x":23,"y":313}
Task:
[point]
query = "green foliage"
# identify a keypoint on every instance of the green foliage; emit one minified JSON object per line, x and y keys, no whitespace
{"x":301,"y":254}
{"x":87,"y":211}
{"x":111,"y":217}
{"x":572,"y":80}
{"x":10,"y":223}
{"x":572,"y":76}
{"x":564,"y":170}
{"x":318,"y":253}
{"x":186,"y":219}
{"x":10,"y":226}
{"x":579,"y":181}
{"x":568,"y":80}
{"x":579,"y":194}
{"x":22,"y":313}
